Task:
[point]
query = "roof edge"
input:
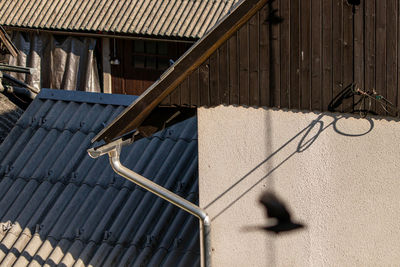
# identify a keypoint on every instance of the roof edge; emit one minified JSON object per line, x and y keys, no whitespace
{"x":104,"y":34}
{"x":86,"y":97}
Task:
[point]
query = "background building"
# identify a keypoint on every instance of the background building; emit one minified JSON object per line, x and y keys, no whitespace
{"x":111,"y":46}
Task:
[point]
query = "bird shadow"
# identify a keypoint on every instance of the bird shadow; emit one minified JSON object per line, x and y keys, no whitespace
{"x":278,"y":216}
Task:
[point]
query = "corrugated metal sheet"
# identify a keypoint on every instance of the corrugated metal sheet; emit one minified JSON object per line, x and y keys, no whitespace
{"x":60,"y":207}
{"x":168,"y":18}
{"x":9,"y":114}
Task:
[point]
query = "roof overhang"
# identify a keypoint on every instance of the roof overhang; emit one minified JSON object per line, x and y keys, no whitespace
{"x":100,"y":34}
{"x":133,"y":116}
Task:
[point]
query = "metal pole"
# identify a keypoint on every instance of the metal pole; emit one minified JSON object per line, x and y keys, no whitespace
{"x":11,"y":68}
{"x":113,"y":152}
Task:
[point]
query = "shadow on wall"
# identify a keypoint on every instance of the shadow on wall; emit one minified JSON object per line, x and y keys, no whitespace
{"x":308,"y":135}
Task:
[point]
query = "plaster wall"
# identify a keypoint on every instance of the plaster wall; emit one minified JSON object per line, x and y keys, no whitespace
{"x":338,"y":175}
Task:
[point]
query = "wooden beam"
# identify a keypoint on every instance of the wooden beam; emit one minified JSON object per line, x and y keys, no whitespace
{"x":105,"y":52}
{"x":5,"y":39}
{"x":136,"y":113}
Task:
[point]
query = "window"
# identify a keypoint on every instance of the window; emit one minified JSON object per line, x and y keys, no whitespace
{"x":150,"y":55}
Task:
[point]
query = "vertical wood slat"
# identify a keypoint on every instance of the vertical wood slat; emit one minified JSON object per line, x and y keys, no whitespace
{"x":369,"y":74}
{"x":185,"y":93}
{"x":233,"y":70}
{"x":305,"y":56}
{"x":275,"y":58}
{"x":254,"y":95}
{"x":264,"y":57}
{"x":204,"y":84}
{"x":392,"y":50}
{"x":176,"y":96}
{"x":223,"y":70}
{"x":316,"y":54}
{"x":359,"y":57}
{"x":337,"y":35}
{"x":284,"y":28}
{"x":117,"y":70}
{"x":398,"y":58}
{"x":327,"y":52}
{"x":214,"y":76}
{"x":380,"y":29}
{"x":296,"y":54}
{"x":244,"y":64}
{"x":347,"y":54}
{"x":194,"y":88}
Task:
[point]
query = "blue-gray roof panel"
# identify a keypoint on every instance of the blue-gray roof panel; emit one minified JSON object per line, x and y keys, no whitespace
{"x":59,"y":206}
{"x":9,"y":115}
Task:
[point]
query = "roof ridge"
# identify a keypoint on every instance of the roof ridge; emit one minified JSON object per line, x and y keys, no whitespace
{"x":86,"y":97}
{"x":48,"y":129}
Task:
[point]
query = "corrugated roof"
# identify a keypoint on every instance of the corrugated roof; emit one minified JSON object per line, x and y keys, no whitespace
{"x":9,"y":114}
{"x":167,"y":18}
{"x":58,"y":206}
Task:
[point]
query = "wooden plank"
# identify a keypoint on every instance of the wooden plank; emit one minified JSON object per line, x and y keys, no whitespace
{"x":275,"y":59}
{"x":264,"y":57}
{"x":233,"y":70}
{"x":316,"y":54}
{"x":116,"y":79}
{"x":118,"y":83}
{"x":337,"y":49}
{"x":204,"y":83}
{"x":135,"y":114}
{"x":185,"y":92}
{"x":327,"y":45}
{"x":285,"y":53}
{"x":176,"y":96}
{"x":347,"y":48}
{"x":223,"y":82}
{"x":381,"y":54}
{"x":243,"y":37}
{"x":305,"y":72}
{"x":392,"y":17}
{"x":369,"y":45}
{"x":296,"y":54}
{"x":214,"y":76}
{"x":398,"y":58}
{"x":254,"y":93}
{"x":124,"y":54}
{"x":106,"y":66}
{"x":194,"y":88}
{"x":359,"y":63}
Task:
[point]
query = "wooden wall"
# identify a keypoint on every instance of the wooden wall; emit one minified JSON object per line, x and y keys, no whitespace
{"x":129,"y":79}
{"x":303,"y":61}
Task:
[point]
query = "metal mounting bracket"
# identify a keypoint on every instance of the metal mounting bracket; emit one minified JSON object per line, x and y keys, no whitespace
{"x":101,"y":150}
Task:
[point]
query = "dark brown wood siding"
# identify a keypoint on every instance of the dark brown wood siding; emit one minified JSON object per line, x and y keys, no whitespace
{"x":303,"y":61}
{"x":128,"y":78}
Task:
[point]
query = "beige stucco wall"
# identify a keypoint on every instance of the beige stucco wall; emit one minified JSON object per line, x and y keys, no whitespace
{"x":338,"y":175}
